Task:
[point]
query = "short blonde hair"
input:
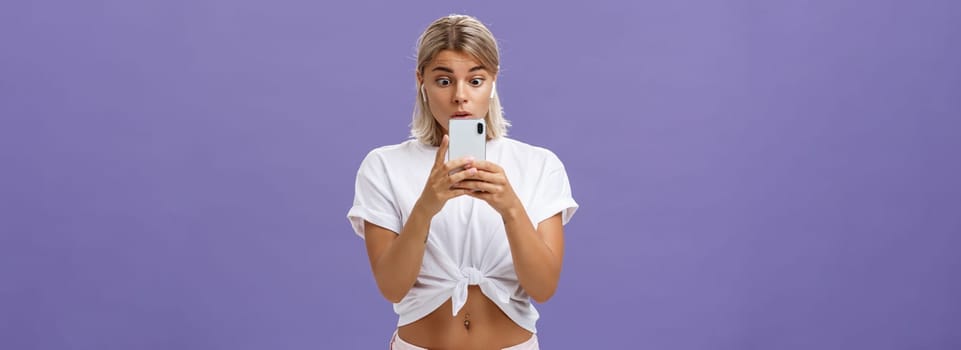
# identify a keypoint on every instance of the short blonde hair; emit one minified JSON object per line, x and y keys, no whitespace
{"x":463,"y":34}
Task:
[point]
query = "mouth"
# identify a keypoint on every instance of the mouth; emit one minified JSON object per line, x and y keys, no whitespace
{"x":461,"y":115}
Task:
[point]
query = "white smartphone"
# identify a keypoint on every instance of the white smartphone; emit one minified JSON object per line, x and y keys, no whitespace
{"x":468,"y":137}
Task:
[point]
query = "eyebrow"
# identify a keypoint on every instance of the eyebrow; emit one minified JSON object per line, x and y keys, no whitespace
{"x":451,"y":71}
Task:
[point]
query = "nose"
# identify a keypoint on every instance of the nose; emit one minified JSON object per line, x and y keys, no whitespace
{"x":460,"y":94}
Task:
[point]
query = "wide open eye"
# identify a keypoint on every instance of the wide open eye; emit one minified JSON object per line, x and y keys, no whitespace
{"x":443,"y":82}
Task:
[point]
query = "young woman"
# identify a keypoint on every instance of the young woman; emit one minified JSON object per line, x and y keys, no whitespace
{"x":460,"y":246}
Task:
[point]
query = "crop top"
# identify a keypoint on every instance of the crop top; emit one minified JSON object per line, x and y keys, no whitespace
{"x":467,"y":243}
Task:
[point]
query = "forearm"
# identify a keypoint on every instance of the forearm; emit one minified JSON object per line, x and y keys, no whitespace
{"x":538,"y":268}
{"x":397,"y":269}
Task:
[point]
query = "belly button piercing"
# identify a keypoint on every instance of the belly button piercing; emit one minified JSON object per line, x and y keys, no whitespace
{"x":467,"y":321}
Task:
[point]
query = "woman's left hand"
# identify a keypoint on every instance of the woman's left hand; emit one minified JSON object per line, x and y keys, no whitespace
{"x":490,"y":184}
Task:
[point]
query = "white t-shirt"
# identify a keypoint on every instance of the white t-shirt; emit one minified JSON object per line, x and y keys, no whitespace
{"x":467,"y":243}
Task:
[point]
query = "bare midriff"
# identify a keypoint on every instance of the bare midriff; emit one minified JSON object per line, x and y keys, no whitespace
{"x":480,"y":324}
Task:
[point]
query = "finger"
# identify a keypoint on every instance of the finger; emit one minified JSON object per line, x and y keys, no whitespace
{"x":466,"y":162}
{"x":442,"y":151}
{"x":485,"y":196}
{"x":464,"y":185}
{"x":457,"y":193}
{"x":477,"y":186}
{"x":462,"y":175}
{"x":487,"y":176}
{"x":487,"y":165}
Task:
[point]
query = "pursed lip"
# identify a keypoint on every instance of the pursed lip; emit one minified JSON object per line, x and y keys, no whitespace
{"x":461,"y":115}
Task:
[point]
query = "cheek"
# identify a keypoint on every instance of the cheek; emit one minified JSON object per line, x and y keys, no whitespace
{"x":437,"y":112}
{"x":487,"y":101}
{"x":442,"y":121}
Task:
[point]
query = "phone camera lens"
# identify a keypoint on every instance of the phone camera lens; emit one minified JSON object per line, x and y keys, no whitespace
{"x":480,"y":128}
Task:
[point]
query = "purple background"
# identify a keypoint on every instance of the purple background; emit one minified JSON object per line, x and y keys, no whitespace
{"x":751,"y":174}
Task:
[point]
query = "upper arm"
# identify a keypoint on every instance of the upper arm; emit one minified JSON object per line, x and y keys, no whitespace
{"x":551,"y":231}
{"x":377,"y":239}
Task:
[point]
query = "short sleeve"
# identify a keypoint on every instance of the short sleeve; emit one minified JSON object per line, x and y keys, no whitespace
{"x":373,"y":197}
{"x":553,"y":193}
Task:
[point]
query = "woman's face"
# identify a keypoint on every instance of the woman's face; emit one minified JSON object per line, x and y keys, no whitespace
{"x":456,"y":86}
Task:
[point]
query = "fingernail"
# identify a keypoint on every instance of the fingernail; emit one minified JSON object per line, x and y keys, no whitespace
{"x":473,"y":171}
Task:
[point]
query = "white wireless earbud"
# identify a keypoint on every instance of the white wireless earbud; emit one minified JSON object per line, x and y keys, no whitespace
{"x":493,"y":88}
{"x":423,"y":94}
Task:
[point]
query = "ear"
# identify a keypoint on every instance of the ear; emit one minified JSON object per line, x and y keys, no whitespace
{"x":420,"y":87}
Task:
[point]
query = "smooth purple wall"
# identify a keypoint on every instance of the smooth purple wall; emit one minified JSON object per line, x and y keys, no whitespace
{"x":751,"y":174}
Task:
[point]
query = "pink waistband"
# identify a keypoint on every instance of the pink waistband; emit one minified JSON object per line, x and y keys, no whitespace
{"x":399,"y":344}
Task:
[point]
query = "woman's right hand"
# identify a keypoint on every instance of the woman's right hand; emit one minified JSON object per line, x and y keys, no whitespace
{"x":438,"y":189}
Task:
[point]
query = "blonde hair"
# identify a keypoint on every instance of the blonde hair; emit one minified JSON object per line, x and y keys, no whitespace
{"x":463,"y":34}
